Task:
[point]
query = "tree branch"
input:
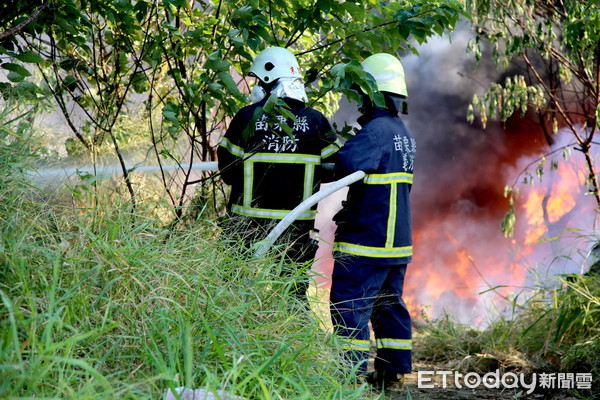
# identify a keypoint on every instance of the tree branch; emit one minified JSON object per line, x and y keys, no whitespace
{"x":548,"y":90}
{"x":17,"y":29}
{"x":345,"y":38}
{"x":271,"y":24}
{"x":584,"y":143}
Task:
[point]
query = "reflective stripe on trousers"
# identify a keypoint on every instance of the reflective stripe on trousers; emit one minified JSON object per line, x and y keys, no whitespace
{"x":361,"y":292}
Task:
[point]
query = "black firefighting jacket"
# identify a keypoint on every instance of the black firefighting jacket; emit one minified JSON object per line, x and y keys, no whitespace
{"x":271,"y":172}
{"x":375,"y":221}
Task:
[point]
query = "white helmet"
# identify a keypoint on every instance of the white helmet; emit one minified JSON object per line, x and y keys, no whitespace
{"x":274,"y":63}
{"x":388,"y":73}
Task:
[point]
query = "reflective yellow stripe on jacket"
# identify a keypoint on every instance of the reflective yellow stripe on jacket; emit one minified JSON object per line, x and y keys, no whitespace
{"x":232,"y":148}
{"x":268,"y":213}
{"x":331,"y":149}
{"x":384,"y":179}
{"x":377,"y":252}
{"x":310,"y":162}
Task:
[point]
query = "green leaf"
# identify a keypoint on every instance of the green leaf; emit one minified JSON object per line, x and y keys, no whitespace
{"x":139,"y":82}
{"x":68,"y":64}
{"x":170,"y":114}
{"x":227,"y":80}
{"x":242,"y":13}
{"x":251,"y":127}
{"x":379,"y":99}
{"x":215,"y":63}
{"x":30,"y":57}
{"x":63,"y":23}
{"x":140,"y":8}
{"x":324,"y":5}
{"x":338,"y":70}
{"x":261,"y":19}
{"x":14,"y":77}
{"x":16,"y":68}
{"x":27,"y":90}
{"x":262,"y":33}
{"x":69,"y":80}
{"x":353,"y":9}
{"x":215,"y":87}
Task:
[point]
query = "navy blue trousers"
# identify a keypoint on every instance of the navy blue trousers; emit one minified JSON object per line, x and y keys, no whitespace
{"x":361,"y":292}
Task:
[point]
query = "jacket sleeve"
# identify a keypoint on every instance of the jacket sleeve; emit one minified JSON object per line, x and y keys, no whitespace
{"x":231,"y":151}
{"x":361,"y":153}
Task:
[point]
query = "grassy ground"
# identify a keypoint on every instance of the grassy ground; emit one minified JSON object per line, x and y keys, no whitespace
{"x":96,"y":307}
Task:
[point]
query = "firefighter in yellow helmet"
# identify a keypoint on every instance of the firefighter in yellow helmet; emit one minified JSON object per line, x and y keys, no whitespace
{"x":272,"y":171}
{"x":373,"y":241}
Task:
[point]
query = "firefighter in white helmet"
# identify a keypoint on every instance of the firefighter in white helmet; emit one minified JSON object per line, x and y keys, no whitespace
{"x":271,"y":171}
{"x":373,"y":242}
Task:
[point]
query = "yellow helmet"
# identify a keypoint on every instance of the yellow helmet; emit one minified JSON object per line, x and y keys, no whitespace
{"x":388,"y":73}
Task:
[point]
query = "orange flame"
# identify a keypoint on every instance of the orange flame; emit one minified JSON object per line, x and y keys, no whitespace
{"x":548,"y":204}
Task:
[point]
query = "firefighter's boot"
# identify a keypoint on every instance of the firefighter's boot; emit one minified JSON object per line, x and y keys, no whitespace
{"x":385,"y":380}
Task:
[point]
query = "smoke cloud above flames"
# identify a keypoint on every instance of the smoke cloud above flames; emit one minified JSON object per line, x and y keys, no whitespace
{"x":458,"y":194}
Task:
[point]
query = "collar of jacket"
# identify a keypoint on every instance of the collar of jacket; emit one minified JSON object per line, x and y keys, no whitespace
{"x":373,"y":113}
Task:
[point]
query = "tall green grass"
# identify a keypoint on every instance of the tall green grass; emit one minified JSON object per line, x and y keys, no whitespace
{"x":98,"y":304}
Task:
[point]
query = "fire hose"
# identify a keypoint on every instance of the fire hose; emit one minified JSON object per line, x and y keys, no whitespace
{"x":112,"y":169}
{"x":333,"y":187}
